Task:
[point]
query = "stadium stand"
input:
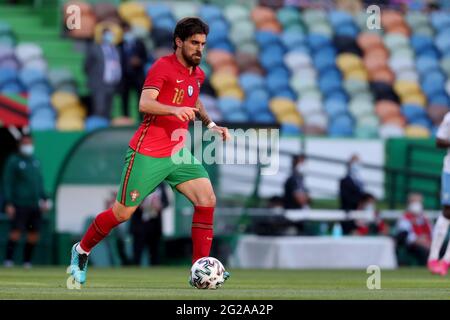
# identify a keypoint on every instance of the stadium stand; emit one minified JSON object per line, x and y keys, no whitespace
{"x":315,"y":72}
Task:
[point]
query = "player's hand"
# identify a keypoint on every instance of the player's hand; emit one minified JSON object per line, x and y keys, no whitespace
{"x":185,"y":113}
{"x":223,"y":131}
{"x":10,"y":211}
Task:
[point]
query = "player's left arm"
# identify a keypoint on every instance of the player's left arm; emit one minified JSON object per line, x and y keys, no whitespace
{"x":206,"y":120}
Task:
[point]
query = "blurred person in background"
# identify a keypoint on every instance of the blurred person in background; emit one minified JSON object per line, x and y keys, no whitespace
{"x":25,"y":200}
{"x":295,"y":193}
{"x":376,"y":226}
{"x":134,"y":58}
{"x":413,"y":229}
{"x":146,"y":226}
{"x":351,"y":187}
{"x":104,"y":73}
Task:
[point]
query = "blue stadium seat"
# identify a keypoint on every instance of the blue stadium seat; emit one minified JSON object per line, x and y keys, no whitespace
{"x":12,"y":88}
{"x":411,"y":112}
{"x":29,"y":77}
{"x":317,"y":41}
{"x":341,"y":126}
{"x":421,"y":42}
{"x":286,"y":93}
{"x":239,"y":116}
{"x":96,"y":122}
{"x":38,"y":99}
{"x":251,"y":81}
{"x":334,"y":107}
{"x":157,"y":11}
{"x":329,"y":84}
{"x":265,"y":118}
{"x":7,"y":75}
{"x":425,"y":64}
{"x":166,"y":23}
{"x":292,"y":40}
{"x":347,"y":30}
{"x":229,"y":105}
{"x":290,"y":129}
{"x":272,"y":57}
{"x":440,"y":20}
{"x":442,"y":41}
{"x":338,"y":18}
{"x":440,"y":98}
{"x":210,"y":13}
{"x":338,"y":95}
{"x":265,"y":39}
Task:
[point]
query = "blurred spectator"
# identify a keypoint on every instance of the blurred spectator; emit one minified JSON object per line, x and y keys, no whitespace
{"x":295,"y":193}
{"x":413,"y":229}
{"x":351,"y":188}
{"x":25,"y":200}
{"x":146,"y":226}
{"x":134,"y":58}
{"x":275,"y":202}
{"x":103,"y":69}
{"x":377,"y":226}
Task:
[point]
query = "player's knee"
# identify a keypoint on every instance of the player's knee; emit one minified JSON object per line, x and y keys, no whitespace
{"x":207,"y":200}
{"x":123,"y":215}
{"x":446,"y":212}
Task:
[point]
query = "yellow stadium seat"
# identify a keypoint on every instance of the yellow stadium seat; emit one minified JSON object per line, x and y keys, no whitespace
{"x":357,"y":74}
{"x":404,"y":88}
{"x":348,"y":62}
{"x":234,"y":92}
{"x":292,"y":118}
{"x":64,"y":100}
{"x":281,"y":106}
{"x":142,"y":22}
{"x":415,"y":98}
{"x":130,"y":9}
{"x":69,"y":124}
{"x":220,"y":81}
{"x":417,"y":132}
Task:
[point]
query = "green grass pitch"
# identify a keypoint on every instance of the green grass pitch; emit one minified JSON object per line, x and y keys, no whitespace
{"x":172,"y":283}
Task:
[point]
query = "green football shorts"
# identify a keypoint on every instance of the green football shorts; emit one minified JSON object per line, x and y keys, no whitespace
{"x":142,"y":174}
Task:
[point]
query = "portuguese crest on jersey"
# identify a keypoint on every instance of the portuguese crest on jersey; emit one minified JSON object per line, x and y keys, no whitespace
{"x":190,"y":90}
{"x":134,"y":195}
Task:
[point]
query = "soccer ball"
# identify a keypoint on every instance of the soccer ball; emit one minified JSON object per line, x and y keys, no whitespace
{"x":207,"y":273}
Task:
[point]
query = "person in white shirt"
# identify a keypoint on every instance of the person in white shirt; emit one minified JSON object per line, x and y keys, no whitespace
{"x":435,"y":265}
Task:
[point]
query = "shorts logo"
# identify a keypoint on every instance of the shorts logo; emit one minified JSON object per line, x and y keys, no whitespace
{"x":134,"y":195}
{"x":198,"y":82}
{"x":190,"y":90}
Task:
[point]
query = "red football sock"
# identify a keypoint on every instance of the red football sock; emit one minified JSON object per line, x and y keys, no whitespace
{"x":99,"y":229}
{"x":202,"y":232}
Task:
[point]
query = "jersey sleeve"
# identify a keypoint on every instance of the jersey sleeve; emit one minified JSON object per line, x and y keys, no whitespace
{"x":443,"y":131}
{"x":156,"y":76}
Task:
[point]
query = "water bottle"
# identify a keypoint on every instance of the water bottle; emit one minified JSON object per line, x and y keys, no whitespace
{"x":337,"y":230}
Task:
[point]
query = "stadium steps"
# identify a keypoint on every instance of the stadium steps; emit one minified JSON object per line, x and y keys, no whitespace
{"x":59,"y":52}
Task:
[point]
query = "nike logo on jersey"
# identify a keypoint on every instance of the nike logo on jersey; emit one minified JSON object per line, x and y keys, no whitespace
{"x":180,"y":81}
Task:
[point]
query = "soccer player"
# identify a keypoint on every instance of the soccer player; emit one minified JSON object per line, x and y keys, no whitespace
{"x":169,"y":100}
{"x":440,"y":230}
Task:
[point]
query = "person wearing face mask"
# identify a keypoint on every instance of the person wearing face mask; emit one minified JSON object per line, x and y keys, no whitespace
{"x":295,"y":194}
{"x":133,"y":59}
{"x":351,"y":192}
{"x":25,"y":200}
{"x":413,"y":229}
{"x":104,"y":73}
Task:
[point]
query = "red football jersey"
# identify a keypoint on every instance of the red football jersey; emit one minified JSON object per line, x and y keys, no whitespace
{"x":178,"y":88}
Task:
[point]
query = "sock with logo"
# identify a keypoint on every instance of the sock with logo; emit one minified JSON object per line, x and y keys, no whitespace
{"x":202,"y":231}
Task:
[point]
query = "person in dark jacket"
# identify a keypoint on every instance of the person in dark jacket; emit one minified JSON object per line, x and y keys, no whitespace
{"x":351,"y":187}
{"x":134,"y":57}
{"x":25,"y":199}
{"x":295,"y":193}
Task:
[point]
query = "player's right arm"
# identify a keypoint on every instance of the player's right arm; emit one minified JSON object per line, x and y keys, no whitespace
{"x":443,"y":133}
{"x":149,"y":104}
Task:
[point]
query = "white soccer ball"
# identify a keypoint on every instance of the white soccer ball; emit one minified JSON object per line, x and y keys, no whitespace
{"x":207,"y":273}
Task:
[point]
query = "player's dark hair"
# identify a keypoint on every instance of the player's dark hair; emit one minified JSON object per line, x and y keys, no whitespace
{"x":187,"y":27}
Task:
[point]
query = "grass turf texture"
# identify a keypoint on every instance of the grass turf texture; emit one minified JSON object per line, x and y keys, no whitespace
{"x":171,"y":283}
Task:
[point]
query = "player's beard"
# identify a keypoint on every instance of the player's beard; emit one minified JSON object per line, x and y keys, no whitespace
{"x":191,"y":59}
